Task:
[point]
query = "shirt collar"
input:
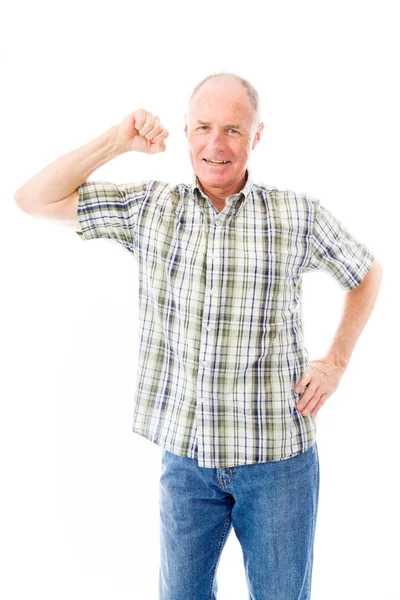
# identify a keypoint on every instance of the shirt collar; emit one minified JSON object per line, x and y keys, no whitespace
{"x":232,"y":199}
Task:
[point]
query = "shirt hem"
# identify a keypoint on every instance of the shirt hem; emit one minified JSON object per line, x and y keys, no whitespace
{"x":168,"y":447}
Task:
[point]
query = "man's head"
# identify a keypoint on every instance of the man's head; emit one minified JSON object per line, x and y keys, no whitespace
{"x":222,"y":124}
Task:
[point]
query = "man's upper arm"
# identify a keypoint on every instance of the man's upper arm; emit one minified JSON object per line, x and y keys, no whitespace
{"x":337,"y":251}
{"x":64,"y":210}
{"x":110,"y":210}
{"x":70,"y":210}
{"x":101,"y":209}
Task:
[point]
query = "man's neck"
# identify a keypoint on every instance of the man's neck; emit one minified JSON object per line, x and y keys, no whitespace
{"x":218,"y":195}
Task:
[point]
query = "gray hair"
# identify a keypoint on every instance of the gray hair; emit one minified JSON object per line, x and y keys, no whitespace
{"x":251,"y":91}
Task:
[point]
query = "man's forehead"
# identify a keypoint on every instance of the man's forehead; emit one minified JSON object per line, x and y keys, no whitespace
{"x":224,"y":111}
{"x":229,"y":102}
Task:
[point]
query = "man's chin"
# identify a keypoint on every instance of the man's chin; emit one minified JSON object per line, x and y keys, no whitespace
{"x":215,"y":174}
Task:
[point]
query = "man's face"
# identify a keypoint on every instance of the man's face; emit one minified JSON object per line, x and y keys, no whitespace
{"x":219,"y":127}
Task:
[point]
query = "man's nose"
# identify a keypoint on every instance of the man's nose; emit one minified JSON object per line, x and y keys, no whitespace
{"x":216,"y":141}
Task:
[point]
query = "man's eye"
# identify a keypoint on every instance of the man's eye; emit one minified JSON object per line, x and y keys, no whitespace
{"x":233,"y":130}
{"x":202,"y":126}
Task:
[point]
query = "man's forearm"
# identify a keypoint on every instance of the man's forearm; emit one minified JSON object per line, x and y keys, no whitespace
{"x":63,"y":176}
{"x":358,"y":306}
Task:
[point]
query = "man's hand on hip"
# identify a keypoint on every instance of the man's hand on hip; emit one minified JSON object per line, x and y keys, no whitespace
{"x":320,"y":380}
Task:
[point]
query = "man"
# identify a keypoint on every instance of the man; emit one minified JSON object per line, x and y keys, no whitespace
{"x":223,"y":383}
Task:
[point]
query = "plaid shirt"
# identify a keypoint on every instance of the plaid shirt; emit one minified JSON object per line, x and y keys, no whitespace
{"x":221,"y":326}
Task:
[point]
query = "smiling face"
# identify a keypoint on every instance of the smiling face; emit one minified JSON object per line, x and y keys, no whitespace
{"x":220,"y":127}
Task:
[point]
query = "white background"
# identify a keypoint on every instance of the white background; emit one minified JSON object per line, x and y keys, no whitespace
{"x":79,"y":489}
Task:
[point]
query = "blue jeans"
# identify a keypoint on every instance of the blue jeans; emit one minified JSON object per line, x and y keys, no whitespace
{"x":272,"y":507}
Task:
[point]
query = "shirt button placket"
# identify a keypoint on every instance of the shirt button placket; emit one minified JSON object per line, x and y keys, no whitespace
{"x":210,"y":318}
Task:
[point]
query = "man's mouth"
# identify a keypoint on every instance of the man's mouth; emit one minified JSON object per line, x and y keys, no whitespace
{"x":216,"y":162}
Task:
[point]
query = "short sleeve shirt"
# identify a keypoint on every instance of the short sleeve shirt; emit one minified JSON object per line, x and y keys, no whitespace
{"x":220,"y":310}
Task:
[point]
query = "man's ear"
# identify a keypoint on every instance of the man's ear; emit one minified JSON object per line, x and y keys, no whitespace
{"x":257,"y":135}
{"x":186,"y":127}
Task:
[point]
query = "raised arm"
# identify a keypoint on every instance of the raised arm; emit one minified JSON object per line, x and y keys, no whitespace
{"x":52,"y":192}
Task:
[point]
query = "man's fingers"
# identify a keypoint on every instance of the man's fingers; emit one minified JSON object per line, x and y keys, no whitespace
{"x":160,"y":142}
{"x":319,"y":404}
{"x":312,"y":402}
{"x":305,"y":380}
{"x":309,"y":393}
{"x":155,"y":131}
{"x":140,"y":118}
{"x":163,"y":134}
{"x":148,"y":125}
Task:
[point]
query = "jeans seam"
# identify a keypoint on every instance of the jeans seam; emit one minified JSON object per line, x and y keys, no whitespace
{"x":226,"y":524}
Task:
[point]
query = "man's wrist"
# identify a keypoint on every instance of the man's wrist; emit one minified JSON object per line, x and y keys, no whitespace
{"x":338,"y":360}
{"x":112,"y":143}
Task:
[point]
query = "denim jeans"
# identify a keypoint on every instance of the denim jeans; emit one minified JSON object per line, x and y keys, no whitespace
{"x":272,"y":507}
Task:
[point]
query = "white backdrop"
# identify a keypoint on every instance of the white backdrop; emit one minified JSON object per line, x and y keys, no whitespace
{"x":79,"y":489}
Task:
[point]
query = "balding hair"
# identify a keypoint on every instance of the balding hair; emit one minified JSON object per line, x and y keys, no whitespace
{"x":250,"y":89}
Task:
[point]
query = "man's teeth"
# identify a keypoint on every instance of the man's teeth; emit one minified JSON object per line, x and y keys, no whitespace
{"x":217,"y":162}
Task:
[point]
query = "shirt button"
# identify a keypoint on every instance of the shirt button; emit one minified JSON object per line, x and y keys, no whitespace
{"x":217,"y":222}
{"x":209,"y":327}
{"x":205,"y":363}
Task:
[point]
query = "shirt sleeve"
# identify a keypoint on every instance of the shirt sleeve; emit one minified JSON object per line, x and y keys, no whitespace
{"x":335,"y":250}
{"x":110,"y":210}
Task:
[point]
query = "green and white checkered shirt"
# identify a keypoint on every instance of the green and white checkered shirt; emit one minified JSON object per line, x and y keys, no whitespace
{"x":221,"y":325}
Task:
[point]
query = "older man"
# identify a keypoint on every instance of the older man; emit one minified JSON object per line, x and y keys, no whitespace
{"x":223,"y":382}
